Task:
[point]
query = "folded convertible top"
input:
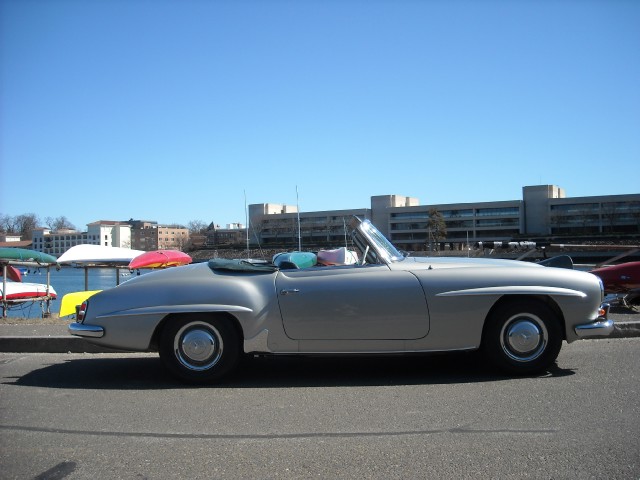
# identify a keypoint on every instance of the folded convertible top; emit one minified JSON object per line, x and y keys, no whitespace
{"x":223,"y":265}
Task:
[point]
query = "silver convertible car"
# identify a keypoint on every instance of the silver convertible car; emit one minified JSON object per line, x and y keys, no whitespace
{"x":203,"y":317}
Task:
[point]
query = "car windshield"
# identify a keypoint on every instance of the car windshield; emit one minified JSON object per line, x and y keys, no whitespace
{"x":376,"y":248}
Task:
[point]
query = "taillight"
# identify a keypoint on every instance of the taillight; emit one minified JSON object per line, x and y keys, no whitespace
{"x":82,"y":311}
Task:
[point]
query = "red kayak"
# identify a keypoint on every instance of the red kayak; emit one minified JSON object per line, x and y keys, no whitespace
{"x":619,"y":278}
{"x":13,"y":273}
{"x":160,"y":259}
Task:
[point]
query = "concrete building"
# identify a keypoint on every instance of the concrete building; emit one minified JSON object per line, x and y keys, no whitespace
{"x":543,"y":211}
{"x":104,"y":232}
{"x":285,"y":226}
{"x":109,"y":233}
{"x":149,"y":236}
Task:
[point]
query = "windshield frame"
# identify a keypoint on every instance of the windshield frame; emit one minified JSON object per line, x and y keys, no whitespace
{"x":376,"y":241}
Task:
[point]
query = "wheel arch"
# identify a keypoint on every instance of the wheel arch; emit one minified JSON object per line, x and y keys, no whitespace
{"x":232,"y":319}
{"x":514,"y":299}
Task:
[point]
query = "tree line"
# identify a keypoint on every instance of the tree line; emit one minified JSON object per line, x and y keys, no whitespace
{"x":26,"y":223}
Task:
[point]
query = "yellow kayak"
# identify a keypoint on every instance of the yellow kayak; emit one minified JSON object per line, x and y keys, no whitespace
{"x":71,"y":300}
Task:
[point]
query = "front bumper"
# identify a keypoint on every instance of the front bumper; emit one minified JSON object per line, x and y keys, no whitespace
{"x":82,"y":330}
{"x":600,"y":327}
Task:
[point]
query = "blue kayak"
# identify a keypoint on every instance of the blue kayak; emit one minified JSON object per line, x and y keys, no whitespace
{"x":293,"y":260}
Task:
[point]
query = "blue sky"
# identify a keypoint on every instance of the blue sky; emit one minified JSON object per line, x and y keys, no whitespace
{"x":174,"y":110}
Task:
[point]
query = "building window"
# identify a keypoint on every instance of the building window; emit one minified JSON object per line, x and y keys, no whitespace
{"x":498,"y":212}
{"x":410,"y":215}
{"x":499,"y":222}
{"x":467,"y":212}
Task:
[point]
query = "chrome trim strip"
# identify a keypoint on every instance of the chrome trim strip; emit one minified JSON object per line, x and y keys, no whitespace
{"x":82,"y":330}
{"x":515,"y":290}
{"x":166,"y":309}
{"x":369,"y":353}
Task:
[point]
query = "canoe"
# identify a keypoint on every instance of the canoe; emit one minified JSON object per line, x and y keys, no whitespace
{"x":289,"y":260}
{"x":8,"y":254}
{"x":619,"y":278}
{"x":26,"y":291}
{"x":71,"y":300}
{"x":98,"y":255}
{"x":12,"y":272}
{"x":160,"y":259}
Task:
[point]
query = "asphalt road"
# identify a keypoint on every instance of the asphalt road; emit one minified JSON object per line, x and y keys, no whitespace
{"x":118,"y":416}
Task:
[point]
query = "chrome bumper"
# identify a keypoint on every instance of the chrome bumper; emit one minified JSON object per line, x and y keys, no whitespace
{"x":82,"y":330}
{"x":600,"y":327}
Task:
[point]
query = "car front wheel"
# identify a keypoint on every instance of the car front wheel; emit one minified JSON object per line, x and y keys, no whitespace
{"x":198,"y":348}
{"x":522,"y":337}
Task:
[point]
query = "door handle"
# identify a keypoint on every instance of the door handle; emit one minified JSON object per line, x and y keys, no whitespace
{"x":289,"y":291}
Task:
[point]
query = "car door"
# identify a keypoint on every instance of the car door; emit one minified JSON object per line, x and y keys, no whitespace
{"x":368,"y":302}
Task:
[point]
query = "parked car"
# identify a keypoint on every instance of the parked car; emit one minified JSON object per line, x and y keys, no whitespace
{"x":203,"y":317}
{"x":621,"y":284}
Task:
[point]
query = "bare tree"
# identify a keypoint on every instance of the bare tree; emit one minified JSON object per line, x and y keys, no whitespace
{"x":25,"y":224}
{"x":59,"y":223}
{"x":196,"y":226}
{"x":6,"y":223}
{"x":178,"y":242}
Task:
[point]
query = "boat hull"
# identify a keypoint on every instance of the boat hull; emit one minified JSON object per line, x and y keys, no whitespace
{"x":17,"y":255}
{"x":98,"y":255}
{"x":20,"y":291}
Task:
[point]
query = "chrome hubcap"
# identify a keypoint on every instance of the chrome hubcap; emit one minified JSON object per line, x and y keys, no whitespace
{"x":524,"y":337}
{"x":198,"y":346}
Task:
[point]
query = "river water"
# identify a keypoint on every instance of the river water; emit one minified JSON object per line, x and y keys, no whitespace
{"x":67,"y":280}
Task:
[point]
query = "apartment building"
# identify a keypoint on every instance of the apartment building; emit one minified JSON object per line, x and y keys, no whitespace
{"x":139,"y":235}
{"x":104,"y":232}
{"x":149,"y":236}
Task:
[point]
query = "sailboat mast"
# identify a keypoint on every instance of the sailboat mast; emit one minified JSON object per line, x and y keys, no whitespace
{"x":246,"y":220}
{"x":298,"y":209}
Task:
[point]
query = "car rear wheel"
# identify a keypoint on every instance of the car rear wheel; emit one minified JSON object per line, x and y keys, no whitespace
{"x":198,"y":348}
{"x":522,"y":337}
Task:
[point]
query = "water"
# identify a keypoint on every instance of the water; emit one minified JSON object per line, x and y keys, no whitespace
{"x":67,"y":280}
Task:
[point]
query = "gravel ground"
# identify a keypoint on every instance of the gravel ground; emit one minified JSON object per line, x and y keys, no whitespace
{"x":53,"y":320}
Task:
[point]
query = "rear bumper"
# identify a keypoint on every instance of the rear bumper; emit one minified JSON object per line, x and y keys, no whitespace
{"x":82,"y":330}
{"x":600,"y":327}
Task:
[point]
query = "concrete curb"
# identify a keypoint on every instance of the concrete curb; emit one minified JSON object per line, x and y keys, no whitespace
{"x":625,"y":330}
{"x":71,"y":344}
{"x":50,"y":344}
